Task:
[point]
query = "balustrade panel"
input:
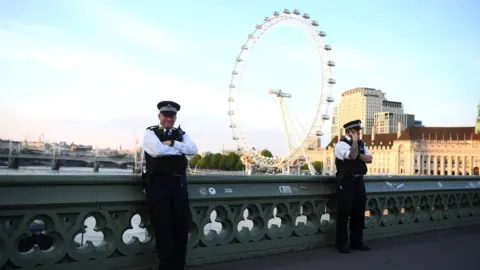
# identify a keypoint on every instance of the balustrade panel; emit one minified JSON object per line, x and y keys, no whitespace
{"x":57,"y":222}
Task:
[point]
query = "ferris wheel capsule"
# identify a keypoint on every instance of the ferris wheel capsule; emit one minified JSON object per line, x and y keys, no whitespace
{"x":325,"y":117}
{"x":319,"y":133}
{"x":234,"y":72}
{"x":330,"y":99}
{"x":332,"y":81}
{"x":322,"y":34}
{"x":286,"y":11}
{"x":258,"y":26}
{"x":266,"y":19}
{"x":276,"y":13}
{"x":330,"y":63}
{"x":296,"y":12}
{"x":328,"y":47}
{"x":239,"y":60}
{"x":232,"y":85}
{"x":314,"y":23}
{"x":306,"y":16}
{"x":244,"y":47}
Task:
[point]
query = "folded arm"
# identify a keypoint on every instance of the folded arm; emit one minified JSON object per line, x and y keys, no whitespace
{"x":154,"y":147}
{"x":187,"y":147}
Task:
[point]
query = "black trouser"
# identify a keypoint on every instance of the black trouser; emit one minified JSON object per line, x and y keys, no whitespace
{"x":171,"y":218}
{"x":352,"y":200}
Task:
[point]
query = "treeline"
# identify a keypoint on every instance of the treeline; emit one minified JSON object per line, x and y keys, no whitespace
{"x":318,"y":165}
{"x":218,"y":161}
{"x":230,"y":162}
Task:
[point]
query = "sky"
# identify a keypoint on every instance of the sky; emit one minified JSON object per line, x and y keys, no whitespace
{"x":92,"y":71}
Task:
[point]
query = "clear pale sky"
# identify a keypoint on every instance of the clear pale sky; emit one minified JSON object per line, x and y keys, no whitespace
{"x":92,"y":71}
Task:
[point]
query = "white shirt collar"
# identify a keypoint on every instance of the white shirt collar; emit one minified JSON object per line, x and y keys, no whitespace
{"x":348,"y":138}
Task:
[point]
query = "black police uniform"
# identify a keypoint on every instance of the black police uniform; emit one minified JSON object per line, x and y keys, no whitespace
{"x":169,"y":203}
{"x":351,"y":198}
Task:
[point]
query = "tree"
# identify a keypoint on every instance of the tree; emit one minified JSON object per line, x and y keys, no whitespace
{"x":230,"y":162}
{"x":215,"y":161}
{"x":207,"y":159}
{"x":193,"y":162}
{"x":239,"y":166}
{"x":266,"y":153}
{"x":232,"y":159}
{"x":222,"y":165}
{"x":201,"y":163}
{"x":318,"y":165}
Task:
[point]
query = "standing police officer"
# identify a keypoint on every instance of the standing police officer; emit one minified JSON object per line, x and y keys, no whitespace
{"x":351,"y":157}
{"x":165,"y":149}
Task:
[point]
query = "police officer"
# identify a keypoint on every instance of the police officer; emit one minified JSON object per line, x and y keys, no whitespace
{"x":351,"y":157}
{"x":166,"y":149}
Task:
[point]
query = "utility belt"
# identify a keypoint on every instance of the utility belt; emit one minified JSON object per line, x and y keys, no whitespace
{"x":150,"y":174}
{"x":348,"y":176}
{"x":149,"y":177}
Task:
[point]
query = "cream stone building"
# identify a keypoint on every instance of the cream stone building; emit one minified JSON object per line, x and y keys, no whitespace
{"x":418,"y":151}
{"x":407,"y":149}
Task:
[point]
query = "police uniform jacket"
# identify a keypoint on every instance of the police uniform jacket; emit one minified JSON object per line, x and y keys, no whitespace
{"x":164,"y":159}
{"x":345,"y":166}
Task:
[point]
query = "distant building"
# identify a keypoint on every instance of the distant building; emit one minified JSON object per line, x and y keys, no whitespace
{"x":364,"y":103}
{"x":228,"y":151}
{"x":477,"y":124}
{"x":202,"y":154}
{"x":6,"y":144}
{"x":387,"y":122}
{"x":33,"y":144}
{"x":418,"y":123}
{"x":81,"y":148}
{"x":418,"y":150}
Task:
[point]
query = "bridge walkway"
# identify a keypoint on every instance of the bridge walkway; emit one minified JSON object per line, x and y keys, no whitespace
{"x":441,"y":250}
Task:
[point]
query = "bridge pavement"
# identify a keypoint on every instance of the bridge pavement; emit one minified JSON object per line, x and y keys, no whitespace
{"x":441,"y":250}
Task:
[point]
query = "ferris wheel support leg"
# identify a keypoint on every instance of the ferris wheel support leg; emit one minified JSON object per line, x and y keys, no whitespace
{"x":309,"y":163}
{"x":284,"y":121}
{"x":248,"y":169}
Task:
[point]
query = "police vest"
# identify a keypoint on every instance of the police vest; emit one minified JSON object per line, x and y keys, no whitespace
{"x":166,"y":165}
{"x":356,"y":166}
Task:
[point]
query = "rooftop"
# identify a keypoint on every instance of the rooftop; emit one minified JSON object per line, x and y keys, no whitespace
{"x":420,"y":133}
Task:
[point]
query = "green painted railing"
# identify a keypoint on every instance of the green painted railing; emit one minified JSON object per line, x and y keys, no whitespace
{"x":278,"y":214}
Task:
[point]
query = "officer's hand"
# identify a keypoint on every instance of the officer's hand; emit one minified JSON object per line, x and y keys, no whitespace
{"x":355,"y":136}
{"x":167,"y":143}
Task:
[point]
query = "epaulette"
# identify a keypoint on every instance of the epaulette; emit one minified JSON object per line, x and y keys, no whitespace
{"x":152,"y":127}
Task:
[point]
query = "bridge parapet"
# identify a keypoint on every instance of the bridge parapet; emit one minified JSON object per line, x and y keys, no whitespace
{"x":233,"y":217}
{"x":66,"y":157}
